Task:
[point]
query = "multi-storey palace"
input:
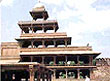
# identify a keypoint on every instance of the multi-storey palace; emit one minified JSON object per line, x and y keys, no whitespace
{"x":41,"y":56}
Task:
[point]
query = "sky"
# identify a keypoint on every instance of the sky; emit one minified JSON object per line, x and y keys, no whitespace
{"x":86,"y":21}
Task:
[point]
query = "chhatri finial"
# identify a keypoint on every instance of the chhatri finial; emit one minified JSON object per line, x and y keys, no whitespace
{"x":39,"y":1}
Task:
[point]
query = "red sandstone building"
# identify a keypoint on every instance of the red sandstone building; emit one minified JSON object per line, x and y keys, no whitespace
{"x":44,"y":56}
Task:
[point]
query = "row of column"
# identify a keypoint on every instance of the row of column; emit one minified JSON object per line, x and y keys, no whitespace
{"x":43,"y":28}
{"x":66,"y":59}
{"x":78,"y":73}
{"x":44,"y":44}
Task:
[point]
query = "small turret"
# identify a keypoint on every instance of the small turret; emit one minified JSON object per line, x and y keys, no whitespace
{"x":39,"y":12}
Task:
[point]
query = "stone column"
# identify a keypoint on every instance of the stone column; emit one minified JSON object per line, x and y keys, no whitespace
{"x":54,"y":60}
{"x":31,"y":71}
{"x":66,"y":73}
{"x":43,"y":59}
{"x":32,"y":44}
{"x":43,"y":43}
{"x":54,"y":28}
{"x":78,"y":73}
{"x":66,"y":43}
{"x":66,"y":59}
{"x":90,"y":60}
{"x":78,"y":60}
{"x":31,"y":58}
{"x":32,"y":30}
{"x":54,"y":43}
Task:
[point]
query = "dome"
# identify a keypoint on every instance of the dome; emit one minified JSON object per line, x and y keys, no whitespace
{"x":39,"y":5}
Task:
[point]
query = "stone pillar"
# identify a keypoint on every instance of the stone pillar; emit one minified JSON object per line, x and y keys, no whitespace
{"x":54,"y":28}
{"x":32,"y":44}
{"x":90,"y":60}
{"x":31,"y":58}
{"x":54,"y":60}
{"x":43,"y":59}
{"x":66,"y":59}
{"x":66,"y":43}
{"x":66,"y":73}
{"x":32,"y":30}
{"x":78,"y":73}
{"x":31,"y":71}
{"x":78,"y":60}
{"x":43,"y":29}
{"x":43,"y":43}
{"x":54,"y":43}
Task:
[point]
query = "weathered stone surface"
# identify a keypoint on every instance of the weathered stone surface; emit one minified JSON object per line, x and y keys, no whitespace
{"x":102,"y":73}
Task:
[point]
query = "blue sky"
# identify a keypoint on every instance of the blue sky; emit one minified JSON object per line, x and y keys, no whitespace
{"x":86,"y":21}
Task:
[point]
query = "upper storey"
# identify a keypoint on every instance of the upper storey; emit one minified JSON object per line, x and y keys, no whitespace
{"x":34,"y":26}
{"x":39,"y":12}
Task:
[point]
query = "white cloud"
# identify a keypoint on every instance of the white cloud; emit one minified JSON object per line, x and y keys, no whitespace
{"x":55,"y":2}
{"x":7,"y":2}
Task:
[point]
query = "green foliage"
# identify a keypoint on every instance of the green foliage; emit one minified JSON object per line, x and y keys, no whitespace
{"x":62,"y":75}
{"x":94,"y":62}
{"x":72,"y":63}
{"x":81,"y":62}
{"x":61,"y":63}
{"x":71,"y":74}
{"x":51,"y":63}
{"x":81,"y":75}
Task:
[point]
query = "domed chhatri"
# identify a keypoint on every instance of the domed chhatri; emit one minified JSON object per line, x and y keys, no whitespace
{"x":38,"y":7}
{"x":38,"y":11}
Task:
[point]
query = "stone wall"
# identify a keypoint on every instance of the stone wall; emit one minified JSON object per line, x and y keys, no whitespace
{"x":103,"y":61}
{"x":102,"y":73}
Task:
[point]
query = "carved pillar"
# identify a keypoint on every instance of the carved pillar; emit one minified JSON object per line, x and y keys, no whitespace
{"x":90,"y":60}
{"x":66,"y":59}
{"x":54,"y":28}
{"x":32,"y":44}
{"x":54,"y":60}
{"x":66,"y":73}
{"x":78,"y":60}
{"x":43,"y":59}
{"x":31,"y":71}
{"x":43,"y":43}
{"x":54,"y":43}
{"x":31,"y":58}
{"x":78,"y":73}
{"x":32,"y":30}
{"x":66,"y":43}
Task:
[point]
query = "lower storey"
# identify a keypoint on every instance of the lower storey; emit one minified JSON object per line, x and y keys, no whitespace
{"x":23,"y":75}
{"x":58,"y":75}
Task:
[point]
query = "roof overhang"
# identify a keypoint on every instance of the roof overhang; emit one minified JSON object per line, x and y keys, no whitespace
{"x":62,"y":53}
